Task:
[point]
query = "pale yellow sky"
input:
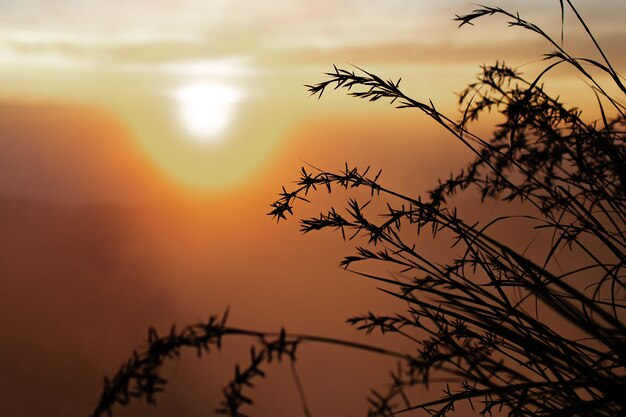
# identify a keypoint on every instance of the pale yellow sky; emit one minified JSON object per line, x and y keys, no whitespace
{"x":133,"y":58}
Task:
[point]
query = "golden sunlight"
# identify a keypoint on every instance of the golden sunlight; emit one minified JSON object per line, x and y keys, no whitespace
{"x":206,"y":109}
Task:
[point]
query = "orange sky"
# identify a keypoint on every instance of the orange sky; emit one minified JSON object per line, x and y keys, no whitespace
{"x":115,"y":217}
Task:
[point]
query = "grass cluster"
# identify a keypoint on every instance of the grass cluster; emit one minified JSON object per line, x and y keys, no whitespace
{"x":475,"y":321}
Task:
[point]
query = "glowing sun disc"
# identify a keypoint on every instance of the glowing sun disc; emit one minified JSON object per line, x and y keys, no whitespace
{"x":206,"y":109}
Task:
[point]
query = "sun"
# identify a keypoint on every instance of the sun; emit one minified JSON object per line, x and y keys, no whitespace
{"x":206,"y":109}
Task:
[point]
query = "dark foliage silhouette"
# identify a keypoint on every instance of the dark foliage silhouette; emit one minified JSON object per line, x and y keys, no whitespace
{"x":476,"y":319}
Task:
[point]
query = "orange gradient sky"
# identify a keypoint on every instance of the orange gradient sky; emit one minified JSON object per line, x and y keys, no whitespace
{"x":142,"y":142}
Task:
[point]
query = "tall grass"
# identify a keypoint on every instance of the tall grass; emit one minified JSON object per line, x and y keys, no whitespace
{"x":475,"y":320}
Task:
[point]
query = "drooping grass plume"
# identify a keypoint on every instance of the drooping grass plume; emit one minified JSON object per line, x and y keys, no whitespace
{"x":474,"y":320}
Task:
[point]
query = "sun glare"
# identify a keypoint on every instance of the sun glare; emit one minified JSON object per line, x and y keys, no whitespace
{"x":206,"y":109}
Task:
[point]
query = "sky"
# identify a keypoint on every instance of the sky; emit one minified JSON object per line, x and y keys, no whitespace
{"x":141,"y":145}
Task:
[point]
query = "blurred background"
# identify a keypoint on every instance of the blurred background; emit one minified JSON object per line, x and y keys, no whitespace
{"x":141,"y":143}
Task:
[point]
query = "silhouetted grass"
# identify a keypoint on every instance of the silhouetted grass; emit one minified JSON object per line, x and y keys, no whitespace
{"x":475,"y":320}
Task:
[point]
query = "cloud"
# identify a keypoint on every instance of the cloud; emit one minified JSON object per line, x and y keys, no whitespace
{"x":85,"y":34}
{"x":300,"y":41}
{"x":444,"y":52}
